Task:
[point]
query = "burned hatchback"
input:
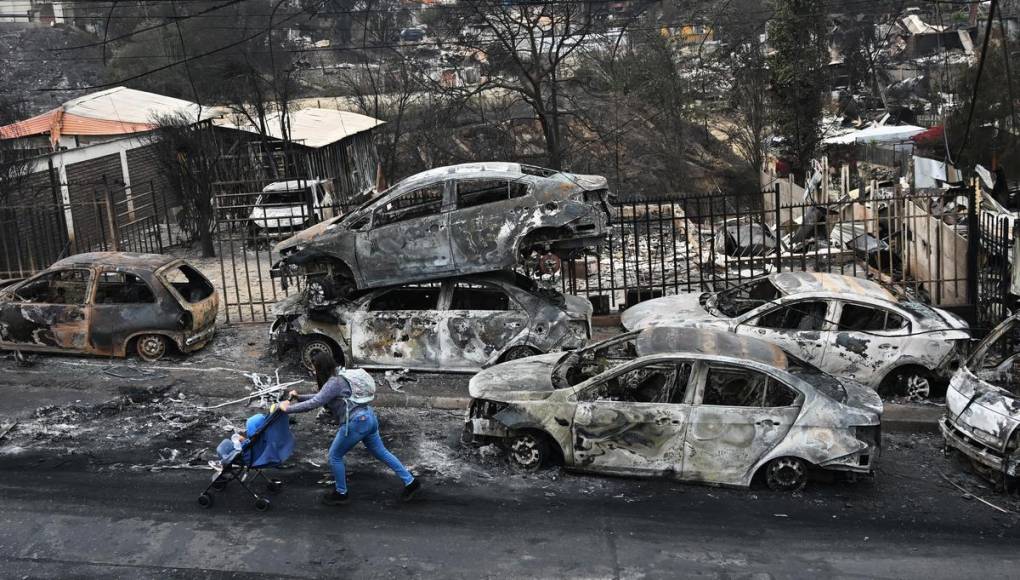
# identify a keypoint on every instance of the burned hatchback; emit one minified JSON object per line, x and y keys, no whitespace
{"x":111,"y":304}
{"x":456,"y":324}
{"x":983,"y":405}
{"x":692,"y":404}
{"x":463,"y":219}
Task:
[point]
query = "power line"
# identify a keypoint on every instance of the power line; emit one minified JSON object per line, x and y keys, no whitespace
{"x":977,"y":80}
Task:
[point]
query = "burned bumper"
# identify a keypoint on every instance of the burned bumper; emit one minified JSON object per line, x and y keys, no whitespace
{"x":980,"y":453}
{"x":195,"y":341}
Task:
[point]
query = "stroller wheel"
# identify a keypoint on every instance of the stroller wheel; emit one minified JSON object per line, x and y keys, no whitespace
{"x":205,"y":500}
{"x":262,"y":504}
{"x":274,"y":485}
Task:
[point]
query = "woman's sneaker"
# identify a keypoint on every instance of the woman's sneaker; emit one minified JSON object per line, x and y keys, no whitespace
{"x":335,"y":498}
{"x":410,"y":490}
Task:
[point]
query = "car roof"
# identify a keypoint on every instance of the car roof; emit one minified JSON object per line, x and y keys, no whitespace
{"x":799,"y":282}
{"x":125,"y":259}
{"x":703,"y":341}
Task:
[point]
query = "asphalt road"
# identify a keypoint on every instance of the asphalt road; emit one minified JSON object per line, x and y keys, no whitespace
{"x":99,"y":480}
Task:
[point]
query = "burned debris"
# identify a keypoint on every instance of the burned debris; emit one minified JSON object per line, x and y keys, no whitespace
{"x":111,"y":304}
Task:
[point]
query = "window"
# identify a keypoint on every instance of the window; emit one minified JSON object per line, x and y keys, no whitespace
{"x":747,"y":297}
{"x":477,"y":297}
{"x":411,"y":298}
{"x":865,"y":318}
{"x":413,"y":204}
{"x":60,"y":287}
{"x":473,"y":192}
{"x":189,"y":283}
{"x":778,"y":394}
{"x":734,"y":387}
{"x":654,"y":383}
{"x":122,"y":288}
{"x":801,"y":316}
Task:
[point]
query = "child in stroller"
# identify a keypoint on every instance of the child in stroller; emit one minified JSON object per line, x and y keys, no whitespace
{"x":267,"y":442}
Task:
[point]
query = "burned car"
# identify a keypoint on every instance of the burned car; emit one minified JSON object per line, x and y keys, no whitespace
{"x":456,"y":324}
{"x":849,"y":327}
{"x":282,"y":207}
{"x":983,"y":405}
{"x":693,"y":404}
{"x":110,"y":304}
{"x":462,"y":219}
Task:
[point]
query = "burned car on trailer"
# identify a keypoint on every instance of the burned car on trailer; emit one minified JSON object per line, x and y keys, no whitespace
{"x":455,"y":324}
{"x":463,"y":219}
{"x":110,"y":304}
{"x":849,"y":327}
{"x":692,"y":404}
{"x":983,"y":406}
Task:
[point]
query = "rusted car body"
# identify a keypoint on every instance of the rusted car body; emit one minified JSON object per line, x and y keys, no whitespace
{"x":456,"y":324}
{"x":846,"y":326}
{"x":462,"y":219}
{"x":983,"y":405}
{"x":692,"y":404}
{"x":110,"y":303}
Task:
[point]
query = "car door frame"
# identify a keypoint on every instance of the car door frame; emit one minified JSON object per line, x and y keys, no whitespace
{"x":450,"y":318}
{"x":810,"y":349}
{"x":367,"y":251}
{"x":515,"y":206}
{"x":86,"y":314}
{"x":361,"y":317}
{"x":843,"y":343}
{"x":694,"y":446}
{"x":677,"y":415}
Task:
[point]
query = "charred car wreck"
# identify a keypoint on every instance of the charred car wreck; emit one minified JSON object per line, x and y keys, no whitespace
{"x":462,"y":219}
{"x":983,"y":406}
{"x":456,"y":324}
{"x":110,"y":304}
{"x":693,"y":404}
{"x":846,"y":326}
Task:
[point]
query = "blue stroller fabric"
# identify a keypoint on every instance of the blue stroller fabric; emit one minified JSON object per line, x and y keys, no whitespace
{"x":269,"y":442}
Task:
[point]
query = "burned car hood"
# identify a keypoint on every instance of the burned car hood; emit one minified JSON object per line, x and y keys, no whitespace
{"x":588,"y":182}
{"x":306,"y":235}
{"x":988,"y":413}
{"x":577,"y":306}
{"x":666,"y":311}
{"x":526,"y":378}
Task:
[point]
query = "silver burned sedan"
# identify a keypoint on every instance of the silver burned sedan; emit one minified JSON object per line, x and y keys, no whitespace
{"x":848,"y":327}
{"x":692,"y":404}
{"x":455,"y":324}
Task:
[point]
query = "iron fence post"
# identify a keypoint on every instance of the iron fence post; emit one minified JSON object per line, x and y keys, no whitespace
{"x":779,"y":223}
{"x":973,"y":245}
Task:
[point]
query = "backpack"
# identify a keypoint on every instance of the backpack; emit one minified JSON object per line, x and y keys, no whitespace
{"x":362,"y":385}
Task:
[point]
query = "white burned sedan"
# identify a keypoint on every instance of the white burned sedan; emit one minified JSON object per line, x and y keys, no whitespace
{"x":692,"y":404}
{"x":849,"y":327}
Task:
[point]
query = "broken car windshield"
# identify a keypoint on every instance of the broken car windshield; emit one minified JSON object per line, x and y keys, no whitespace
{"x":744,"y":298}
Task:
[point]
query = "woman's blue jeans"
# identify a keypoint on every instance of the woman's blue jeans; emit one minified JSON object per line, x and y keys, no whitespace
{"x":363,"y":426}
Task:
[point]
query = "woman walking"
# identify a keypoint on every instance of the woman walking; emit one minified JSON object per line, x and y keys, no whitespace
{"x":347,"y":395}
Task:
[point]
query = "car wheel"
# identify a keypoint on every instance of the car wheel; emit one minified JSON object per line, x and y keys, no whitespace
{"x":518,"y":352}
{"x":150,"y":347}
{"x":315,"y":345}
{"x":914,"y":383}
{"x":529,"y":451}
{"x":786,"y":474}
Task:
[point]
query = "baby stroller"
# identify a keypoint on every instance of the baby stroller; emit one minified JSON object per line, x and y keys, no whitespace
{"x":269,"y":443}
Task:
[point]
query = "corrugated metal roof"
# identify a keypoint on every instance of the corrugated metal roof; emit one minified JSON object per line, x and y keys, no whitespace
{"x":309,"y":127}
{"x":115,"y":111}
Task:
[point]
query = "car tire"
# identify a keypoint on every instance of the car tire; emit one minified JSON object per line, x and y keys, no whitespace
{"x":786,"y":474}
{"x":518,"y":352}
{"x":314,"y":344}
{"x":529,"y":451}
{"x":150,"y":347}
{"x":914,"y":383}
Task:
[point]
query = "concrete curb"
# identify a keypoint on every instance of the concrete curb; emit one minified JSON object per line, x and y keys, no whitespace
{"x":896,"y":419}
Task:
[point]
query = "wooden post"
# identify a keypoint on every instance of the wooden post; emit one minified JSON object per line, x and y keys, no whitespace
{"x":111,"y":219}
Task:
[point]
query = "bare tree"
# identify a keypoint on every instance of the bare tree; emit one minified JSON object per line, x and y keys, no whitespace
{"x":750,"y":106}
{"x":15,"y":163}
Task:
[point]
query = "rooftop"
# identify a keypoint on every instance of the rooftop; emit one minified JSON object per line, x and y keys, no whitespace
{"x":313,"y":128}
{"x":666,"y":339}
